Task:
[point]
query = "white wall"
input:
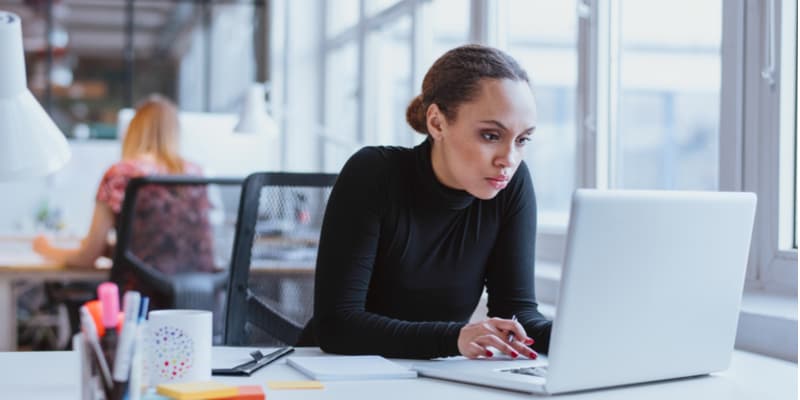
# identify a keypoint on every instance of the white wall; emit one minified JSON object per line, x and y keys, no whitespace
{"x":72,"y":190}
{"x":206,"y":139}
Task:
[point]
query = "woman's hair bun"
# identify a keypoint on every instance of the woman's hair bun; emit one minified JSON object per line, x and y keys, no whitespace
{"x":416,"y":115}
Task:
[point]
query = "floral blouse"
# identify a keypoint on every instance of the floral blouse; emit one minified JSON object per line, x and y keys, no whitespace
{"x":170,"y":230}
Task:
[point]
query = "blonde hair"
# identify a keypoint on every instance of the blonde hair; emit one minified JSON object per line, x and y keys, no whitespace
{"x":154,"y":129}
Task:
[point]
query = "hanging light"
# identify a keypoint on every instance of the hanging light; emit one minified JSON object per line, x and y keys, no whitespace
{"x":254,"y":118}
{"x":30,"y":142}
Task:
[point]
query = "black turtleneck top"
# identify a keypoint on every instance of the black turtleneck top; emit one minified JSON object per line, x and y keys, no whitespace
{"x":403,"y":259}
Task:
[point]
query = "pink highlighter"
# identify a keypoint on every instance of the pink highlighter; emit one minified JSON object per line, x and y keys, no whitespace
{"x":109,"y":298}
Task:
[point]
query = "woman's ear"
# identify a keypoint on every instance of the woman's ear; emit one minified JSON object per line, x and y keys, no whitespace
{"x":436,"y":121}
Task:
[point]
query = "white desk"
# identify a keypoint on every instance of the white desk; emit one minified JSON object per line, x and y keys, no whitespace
{"x":19,"y":262}
{"x":752,"y":377}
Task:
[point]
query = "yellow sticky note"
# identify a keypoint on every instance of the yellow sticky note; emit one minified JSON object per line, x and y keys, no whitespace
{"x":279,"y":385}
{"x":197,"y":390}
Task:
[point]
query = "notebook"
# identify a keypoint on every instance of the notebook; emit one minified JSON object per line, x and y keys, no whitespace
{"x":350,"y":368}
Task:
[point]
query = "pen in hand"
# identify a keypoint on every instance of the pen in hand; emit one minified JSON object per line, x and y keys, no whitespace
{"x":511,"y":335}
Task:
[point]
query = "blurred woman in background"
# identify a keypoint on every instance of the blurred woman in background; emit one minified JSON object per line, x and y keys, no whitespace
{"x":150,"y":147}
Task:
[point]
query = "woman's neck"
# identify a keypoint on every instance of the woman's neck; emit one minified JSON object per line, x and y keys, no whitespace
{"x":439,"y":168}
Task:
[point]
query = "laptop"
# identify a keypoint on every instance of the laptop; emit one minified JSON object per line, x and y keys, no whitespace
{"x":650,"y":290}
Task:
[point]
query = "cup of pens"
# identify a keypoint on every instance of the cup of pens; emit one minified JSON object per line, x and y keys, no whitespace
{"x":113,"y":339}
{"x":178,"y":346}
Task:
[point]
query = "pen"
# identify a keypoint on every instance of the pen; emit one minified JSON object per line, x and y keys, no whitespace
{"x":511,"y":335}
{"x":124,"y":352}
{"x":90,"y":332}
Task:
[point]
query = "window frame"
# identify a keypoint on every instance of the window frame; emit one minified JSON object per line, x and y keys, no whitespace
{"x":749,"y":137}
{"x":771,"y":268}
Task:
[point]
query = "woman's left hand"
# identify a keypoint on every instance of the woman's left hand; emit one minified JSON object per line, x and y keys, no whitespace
{"x":475,"y":338}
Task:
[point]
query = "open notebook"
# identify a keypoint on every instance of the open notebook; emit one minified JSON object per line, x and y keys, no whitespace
{"x":330,"y":368}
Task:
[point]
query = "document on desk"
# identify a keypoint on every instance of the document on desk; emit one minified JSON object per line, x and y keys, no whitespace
{"x":350,"y":368}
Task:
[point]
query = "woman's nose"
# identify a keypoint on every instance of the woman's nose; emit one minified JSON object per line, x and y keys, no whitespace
{"x":507,"y":158}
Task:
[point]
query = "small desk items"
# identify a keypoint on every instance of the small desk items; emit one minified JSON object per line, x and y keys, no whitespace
{"x":259,"y":360}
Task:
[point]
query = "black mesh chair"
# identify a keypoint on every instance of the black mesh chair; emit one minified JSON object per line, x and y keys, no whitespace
{"x":174,"y":241}
{"x":270,"y":295}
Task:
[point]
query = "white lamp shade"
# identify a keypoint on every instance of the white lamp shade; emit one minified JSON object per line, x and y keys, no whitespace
{"x":254,"y":117}
{"x":30,"y":142}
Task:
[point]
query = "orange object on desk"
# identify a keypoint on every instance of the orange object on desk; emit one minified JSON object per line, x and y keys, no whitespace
{"x":96,"y":309}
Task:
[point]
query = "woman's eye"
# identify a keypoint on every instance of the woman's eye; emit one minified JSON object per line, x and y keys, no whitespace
{"x":523,"y":140}
{"x":490,"y":136}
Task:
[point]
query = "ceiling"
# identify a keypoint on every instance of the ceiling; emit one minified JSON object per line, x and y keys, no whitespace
{"x":97,"y":28}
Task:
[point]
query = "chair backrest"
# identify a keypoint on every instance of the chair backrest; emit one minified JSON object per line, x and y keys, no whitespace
{"x":175,"y":239}
{"x":270,"y":295}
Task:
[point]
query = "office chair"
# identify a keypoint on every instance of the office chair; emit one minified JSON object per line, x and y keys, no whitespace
{"x":270,"y":294}
{"x":174,"y":240}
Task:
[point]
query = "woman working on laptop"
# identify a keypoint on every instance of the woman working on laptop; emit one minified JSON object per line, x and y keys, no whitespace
{"x":412,"y":235}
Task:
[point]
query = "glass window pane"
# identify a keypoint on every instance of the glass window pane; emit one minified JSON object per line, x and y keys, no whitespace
{"x":668,"y":122}
{"x":542,"y":36}
{"x":451,"y":28}
{"x":388,"y":83}
{"x":341,"y":105}
{"x":340,"y":15}
{"x":372,"y":7}
{"x":87,"y":75}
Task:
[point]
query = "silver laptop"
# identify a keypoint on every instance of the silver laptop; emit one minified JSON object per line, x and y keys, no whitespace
{"x":650,"y":290}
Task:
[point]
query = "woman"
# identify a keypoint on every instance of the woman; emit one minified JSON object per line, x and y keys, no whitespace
{"x":411,"y":236}
{"x":150,"y":147}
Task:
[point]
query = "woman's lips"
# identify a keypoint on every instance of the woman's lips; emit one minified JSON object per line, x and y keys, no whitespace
{"x":498,"y":182}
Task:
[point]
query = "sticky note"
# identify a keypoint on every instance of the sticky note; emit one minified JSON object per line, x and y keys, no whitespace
{"x":279,"y":385}
{"x":254,"y":392}
{"x":197,"y":390}
{"x":154,"y":396}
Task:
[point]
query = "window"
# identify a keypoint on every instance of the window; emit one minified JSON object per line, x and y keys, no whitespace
{"x":202,"y":54}
{"x":340,"y":15}
{"x":632,"y":94}
{"x":341,"y":104}
{"x":451,"y":29}
{"x":542,"y":36}
{"x":787,"y":236}
{"x":668,"y":87}
{"x":388,"y":82}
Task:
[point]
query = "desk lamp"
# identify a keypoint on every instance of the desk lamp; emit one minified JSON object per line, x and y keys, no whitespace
{"x":30,"y":142}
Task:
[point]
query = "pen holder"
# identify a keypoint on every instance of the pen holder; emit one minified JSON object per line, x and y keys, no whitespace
{"x":93,"y":383}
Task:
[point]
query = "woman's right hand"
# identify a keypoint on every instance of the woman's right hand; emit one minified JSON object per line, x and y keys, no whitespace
{"x":41,"y":245}
{"x":475,"y":338}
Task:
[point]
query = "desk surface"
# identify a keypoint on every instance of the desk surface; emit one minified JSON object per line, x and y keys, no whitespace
{"x":19,"y":262}
{"x":18,"y":258}
{"x":750,"y":376}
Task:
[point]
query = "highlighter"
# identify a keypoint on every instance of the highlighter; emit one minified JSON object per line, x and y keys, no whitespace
{"x":109,"y":298}
{"x":96,"y":311}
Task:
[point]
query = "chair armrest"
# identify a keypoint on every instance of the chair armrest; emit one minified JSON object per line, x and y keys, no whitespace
{"x":272,"y":321}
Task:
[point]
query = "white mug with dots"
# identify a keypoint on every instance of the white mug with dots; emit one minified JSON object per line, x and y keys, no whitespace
{"x":178,"y":344}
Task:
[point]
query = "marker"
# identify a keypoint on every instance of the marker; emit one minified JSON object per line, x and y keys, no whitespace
{"x":122,"y":361}
{"x":90,"y":332}
{"x":143,"y":308}
{"x":108,"y":293}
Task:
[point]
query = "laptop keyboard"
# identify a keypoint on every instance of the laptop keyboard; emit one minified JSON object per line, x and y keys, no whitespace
{"x":532,"y":371}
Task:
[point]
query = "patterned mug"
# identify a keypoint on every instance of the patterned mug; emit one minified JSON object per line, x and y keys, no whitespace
{"x":178,"y":346}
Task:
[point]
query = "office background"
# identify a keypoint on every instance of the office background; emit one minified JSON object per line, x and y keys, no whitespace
{"x":685,"y":95}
